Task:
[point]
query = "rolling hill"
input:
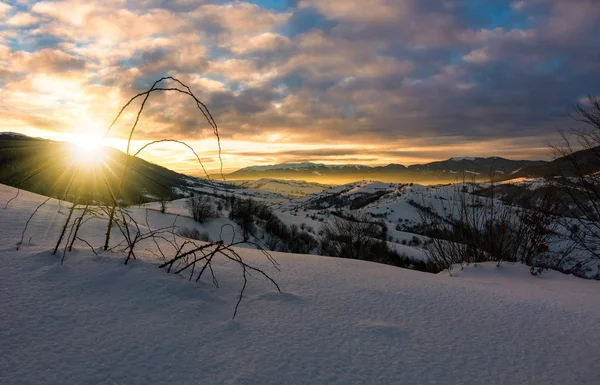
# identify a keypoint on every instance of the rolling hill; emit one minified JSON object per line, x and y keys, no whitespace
{"x":49,"y":168}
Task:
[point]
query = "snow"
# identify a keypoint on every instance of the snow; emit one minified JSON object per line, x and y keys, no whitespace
{"x":337,"y":321}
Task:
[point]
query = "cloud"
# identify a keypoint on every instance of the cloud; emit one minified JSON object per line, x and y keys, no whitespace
{"x":22,"y":19}
{"x":376,"y":12}
{"x":518,"y":5}
{"x":237,"y":19}
{"x":445,"y":77}
{"x":260,"y":44}
{"x":478,"y":56}
{"x":4,"y":9}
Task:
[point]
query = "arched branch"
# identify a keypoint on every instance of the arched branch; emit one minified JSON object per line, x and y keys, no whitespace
{"x":175,"y":141}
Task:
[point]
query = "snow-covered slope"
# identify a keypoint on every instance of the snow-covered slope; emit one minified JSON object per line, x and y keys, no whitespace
{"x":95,"y":320}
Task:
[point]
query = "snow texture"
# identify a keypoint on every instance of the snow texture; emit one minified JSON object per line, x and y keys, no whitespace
{"x":94,"y":320}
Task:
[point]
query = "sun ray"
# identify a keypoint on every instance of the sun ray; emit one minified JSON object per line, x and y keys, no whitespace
{"x":87,"y":152}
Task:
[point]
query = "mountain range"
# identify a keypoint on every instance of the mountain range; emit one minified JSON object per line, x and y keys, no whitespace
{"x":447,"y":171}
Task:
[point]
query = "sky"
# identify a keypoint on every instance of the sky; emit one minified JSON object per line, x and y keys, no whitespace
{"x":338,"y":81}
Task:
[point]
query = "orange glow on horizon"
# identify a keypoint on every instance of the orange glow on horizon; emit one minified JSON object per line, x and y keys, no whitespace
{"x":236,"y":153}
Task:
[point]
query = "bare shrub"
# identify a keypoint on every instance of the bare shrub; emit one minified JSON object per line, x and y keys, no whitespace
{"x":478,"y":229}
{"x":193,"y":233}
{"x":579,"y":164}
{"x":245,"y":217}
{"x":300,"y":242}
{"x":200,"y":208}
{"x":272,"y":242}
{"x":163,"y":205}
{"x":358,"y":237}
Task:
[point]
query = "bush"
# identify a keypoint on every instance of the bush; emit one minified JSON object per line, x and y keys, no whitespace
{"x":163,"y":205}
{"x":578,"y":159}
{"x":358,"y":238}
{"x":186,"y":232}
{"x":302,"y":243}
{"x":243,"y":212}
{"x":483,"y":229}
{"x":200,"y":208}
{"x":415,"y":241}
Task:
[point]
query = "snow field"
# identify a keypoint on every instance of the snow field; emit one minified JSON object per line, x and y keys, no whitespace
{"x":95,"y":320}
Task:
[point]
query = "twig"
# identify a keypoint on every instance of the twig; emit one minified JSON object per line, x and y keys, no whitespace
{"x":28,"y":220}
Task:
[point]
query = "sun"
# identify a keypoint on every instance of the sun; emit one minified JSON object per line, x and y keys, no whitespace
{"x":87,"y":151}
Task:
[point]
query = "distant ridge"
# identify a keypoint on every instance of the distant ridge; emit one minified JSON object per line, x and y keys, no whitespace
{"x":447,"y":171}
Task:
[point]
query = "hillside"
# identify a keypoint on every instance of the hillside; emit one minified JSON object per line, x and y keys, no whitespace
{"x":47,"y":167}
{"x":587,"y":160}
{"x":336,"y":321}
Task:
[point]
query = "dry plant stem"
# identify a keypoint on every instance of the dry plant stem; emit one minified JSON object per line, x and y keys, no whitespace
{"x":180,"y":256}
{"x":87,"y":243}
{"x":238,"y":259}
{"x":245,"y":267}
{"x":64,"y":229}
{"x":111,"y":213}
{"x":31,"y":175}
{"x":13,"y":198}
{"x":201,"y":106}
{"x":175,"y":141}
{"x":237,"y":304}
{"x":78,"y":226}
{"x":71,"y":230}
{"x":218,"y":249}
{"x":29,"y":220}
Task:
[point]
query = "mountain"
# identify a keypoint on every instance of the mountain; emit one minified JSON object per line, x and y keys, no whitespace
{"x":446,"y":171}
{"x":49,"y":168}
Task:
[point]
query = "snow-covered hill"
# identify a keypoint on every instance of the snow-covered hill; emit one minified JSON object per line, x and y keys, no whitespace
{"x":336,"y":321}
{"x":398,"y":207}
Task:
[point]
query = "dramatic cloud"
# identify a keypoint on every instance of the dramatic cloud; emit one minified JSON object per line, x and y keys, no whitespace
{"x":335,"y":81}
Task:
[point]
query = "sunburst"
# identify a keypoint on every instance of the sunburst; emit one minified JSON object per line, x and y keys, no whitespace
{"x":87,"y":151}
